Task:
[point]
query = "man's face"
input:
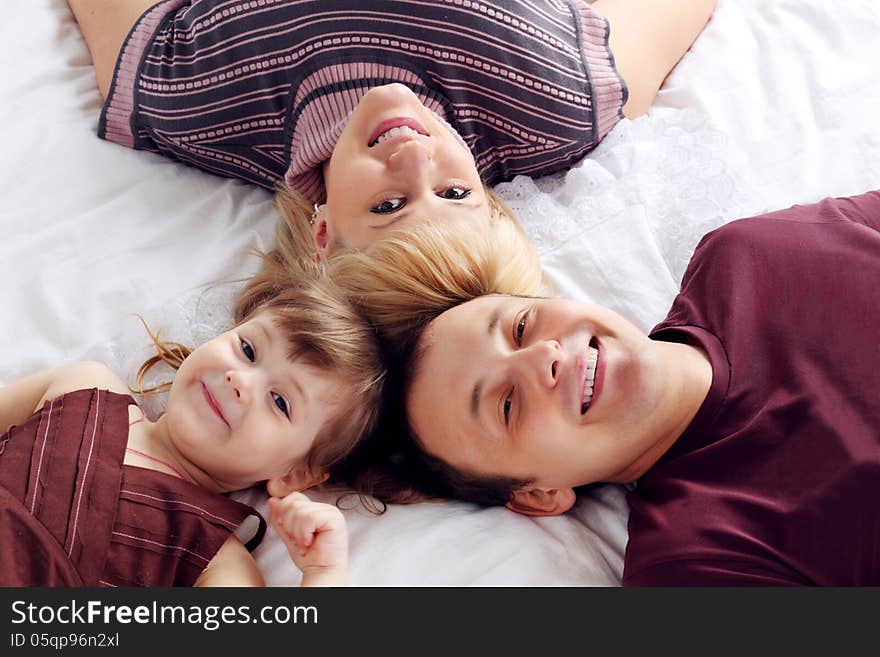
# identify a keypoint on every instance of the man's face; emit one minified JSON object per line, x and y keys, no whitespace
{"x":561,"y":392}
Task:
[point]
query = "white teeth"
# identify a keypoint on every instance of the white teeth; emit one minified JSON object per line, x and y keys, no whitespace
{"x":589,"y":378}
{"x":388,"y":134}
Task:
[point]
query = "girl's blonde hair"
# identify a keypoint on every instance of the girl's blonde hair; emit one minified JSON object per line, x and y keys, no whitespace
{"x":323,"y":329}
{"x":402,"y":283}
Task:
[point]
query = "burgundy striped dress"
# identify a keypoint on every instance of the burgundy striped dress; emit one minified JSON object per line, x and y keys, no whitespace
{"x":72,"y":514}
{"x":261,"y":89}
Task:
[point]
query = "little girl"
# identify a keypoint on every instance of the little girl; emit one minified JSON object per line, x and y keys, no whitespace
{"x":94,"y":494}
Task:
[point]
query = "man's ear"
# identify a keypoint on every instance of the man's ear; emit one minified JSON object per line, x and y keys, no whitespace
{"x":542,"y":501}
{"x":294,"y":481}
{"x":319,"y":232}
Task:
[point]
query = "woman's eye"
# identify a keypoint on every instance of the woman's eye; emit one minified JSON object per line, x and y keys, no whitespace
{"x":508,"y":402}
{"x":281,"y":404}
{"x":455,"y":193}
{"x":388,"y":206}
{"x":247,"y":350}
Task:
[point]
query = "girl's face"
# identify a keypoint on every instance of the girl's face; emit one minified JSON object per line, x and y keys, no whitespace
{"x":242,"y":412}
{"x":396,"y":163}
{"x":563,"y":392}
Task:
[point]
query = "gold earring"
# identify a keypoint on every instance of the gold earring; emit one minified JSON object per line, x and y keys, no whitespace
{"x":314,"y":214}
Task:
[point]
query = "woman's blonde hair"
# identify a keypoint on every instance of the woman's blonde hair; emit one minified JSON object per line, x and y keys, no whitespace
{"x":323,"y":329}
{"x":294,"y":233}
{"x":402,"y":283}
{"x":410,"y":277}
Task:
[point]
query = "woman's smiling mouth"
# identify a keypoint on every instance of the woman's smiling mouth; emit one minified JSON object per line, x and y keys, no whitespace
{"x":402,"y":127}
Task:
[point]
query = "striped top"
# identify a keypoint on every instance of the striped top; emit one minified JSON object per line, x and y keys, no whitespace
{"x":74,"y":515}
{"x":261,"y":89}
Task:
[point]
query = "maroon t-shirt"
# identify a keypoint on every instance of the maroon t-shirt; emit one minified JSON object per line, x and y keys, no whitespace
{"x":777,"y":479}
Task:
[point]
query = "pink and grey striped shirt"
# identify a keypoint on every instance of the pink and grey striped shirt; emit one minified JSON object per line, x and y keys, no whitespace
{"x":261,"y":89}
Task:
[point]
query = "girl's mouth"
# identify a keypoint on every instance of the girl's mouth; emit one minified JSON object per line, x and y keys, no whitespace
{"x":215,"y":406}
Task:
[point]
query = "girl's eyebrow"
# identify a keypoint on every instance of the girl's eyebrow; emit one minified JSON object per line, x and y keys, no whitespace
{"x":267,"y":335}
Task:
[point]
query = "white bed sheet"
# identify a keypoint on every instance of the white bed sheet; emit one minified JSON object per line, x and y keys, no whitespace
{"x":776,"y":104}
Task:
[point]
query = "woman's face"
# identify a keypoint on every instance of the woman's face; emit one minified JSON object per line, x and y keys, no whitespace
{"x":396,"y":163}
{"x":562,"y":392}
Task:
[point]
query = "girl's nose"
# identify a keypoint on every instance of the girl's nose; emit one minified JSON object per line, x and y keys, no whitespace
{"x":240,"y":383}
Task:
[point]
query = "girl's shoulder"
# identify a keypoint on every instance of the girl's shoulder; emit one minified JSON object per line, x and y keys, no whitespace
{"x":82,"y":375}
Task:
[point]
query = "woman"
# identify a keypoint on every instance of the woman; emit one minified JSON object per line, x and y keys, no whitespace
{"x":746,"y":422}
{"x":370,"y":117}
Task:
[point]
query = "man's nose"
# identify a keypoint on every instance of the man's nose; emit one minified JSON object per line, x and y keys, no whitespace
{"x":540,"y":361}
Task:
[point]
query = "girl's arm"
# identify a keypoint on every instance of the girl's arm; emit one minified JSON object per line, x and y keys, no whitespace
{"x":21,"y":399}
{"x":647,"y":38}
{"x":233,"y":565}
{"x":315,"y":536}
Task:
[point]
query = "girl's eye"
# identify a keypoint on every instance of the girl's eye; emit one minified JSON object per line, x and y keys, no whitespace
{"x":508,"y":402}
{"x":455,"y":193}
{"x":281,"y":404}
{"x":247,"y":350}
{"x":388,"y":206}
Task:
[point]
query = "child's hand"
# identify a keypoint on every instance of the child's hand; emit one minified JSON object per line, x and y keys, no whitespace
{"x":315,"y":536}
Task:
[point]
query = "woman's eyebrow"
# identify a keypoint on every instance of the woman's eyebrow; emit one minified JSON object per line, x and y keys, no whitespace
{"x":394,"y":217}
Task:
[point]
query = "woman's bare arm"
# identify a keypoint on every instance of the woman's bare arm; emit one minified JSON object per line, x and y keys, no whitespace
{"x":648,"y":38}
{"x":104,"y":25}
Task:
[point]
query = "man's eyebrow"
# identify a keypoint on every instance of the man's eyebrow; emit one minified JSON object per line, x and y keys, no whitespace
{"x":475,"y":400}
{"x":493,"y":321}
{"x":477,"y":392}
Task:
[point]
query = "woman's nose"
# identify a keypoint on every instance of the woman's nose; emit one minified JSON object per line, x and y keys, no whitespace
{"x":413,"y":157}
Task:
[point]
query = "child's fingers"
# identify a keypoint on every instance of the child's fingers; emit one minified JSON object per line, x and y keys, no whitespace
{"x":300,"y":520}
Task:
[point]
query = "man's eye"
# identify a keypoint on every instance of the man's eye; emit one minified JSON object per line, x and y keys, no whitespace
{"x":247,"y":350}
{"x":455,"y":193}
{"x":388,"y":206}
{"x":281,"y":404}
{"x":508,"y":402}
{"x":521,"y":329}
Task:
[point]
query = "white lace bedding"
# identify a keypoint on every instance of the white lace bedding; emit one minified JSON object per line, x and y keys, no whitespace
{"x":777,"y":103}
